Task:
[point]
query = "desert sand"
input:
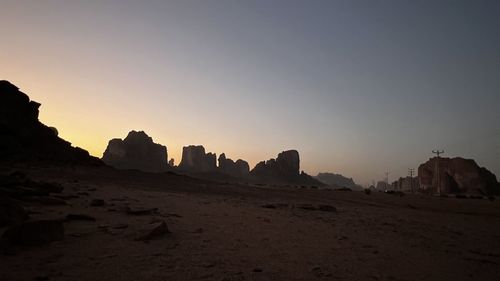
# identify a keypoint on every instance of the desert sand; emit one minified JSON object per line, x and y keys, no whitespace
{"x":230,"y":231}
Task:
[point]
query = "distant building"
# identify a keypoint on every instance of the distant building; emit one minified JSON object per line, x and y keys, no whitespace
{"x":406,"y":184}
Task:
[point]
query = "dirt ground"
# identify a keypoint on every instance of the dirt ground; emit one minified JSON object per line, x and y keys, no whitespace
{"x":223,"y":231}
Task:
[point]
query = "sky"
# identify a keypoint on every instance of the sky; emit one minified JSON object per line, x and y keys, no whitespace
{"x":357,"y":87}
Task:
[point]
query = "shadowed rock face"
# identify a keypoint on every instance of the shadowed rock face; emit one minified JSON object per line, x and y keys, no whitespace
{"x":23,"y":137}
{"x":136,"y":151}
{"x":227,"y":166}
{"x":457,"y":175}
{"x":195,"y":160}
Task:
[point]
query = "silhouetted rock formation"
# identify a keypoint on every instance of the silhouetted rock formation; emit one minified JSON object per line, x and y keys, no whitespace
{"x":240,"y":168}
{"x":195,"y":160}
{"x":336,"y":180}
{"x":285,"y":166}
{"x":136,"y":151}
{"x":457,"y":175}
{"x":24,"y":138}
{"x":284,"y":169}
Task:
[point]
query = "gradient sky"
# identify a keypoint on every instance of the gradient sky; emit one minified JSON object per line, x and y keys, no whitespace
{"x":357,"y":87}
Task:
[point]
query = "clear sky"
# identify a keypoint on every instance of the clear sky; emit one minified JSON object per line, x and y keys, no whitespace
{"x":357,"y":87}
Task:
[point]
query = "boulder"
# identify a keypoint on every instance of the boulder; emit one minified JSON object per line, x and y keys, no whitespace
{"x":152,"y":231}
{"x":227,"y":166}
{"x":136,"y":151}
{"x":24,"y":138}
{"x":195,"y":160}
{"x":457,"y":176}
{"x":32,"y":233}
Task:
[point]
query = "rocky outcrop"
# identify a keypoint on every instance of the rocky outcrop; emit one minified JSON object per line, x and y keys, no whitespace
{"x":24,"y":138}
{"x":240,"y":168}
{"x":457,"y":175}
{"x":195,"y":160}
{"x":285,"y":166}
{"x":338,"y":181}
{"x":284,"y":169}
{"x":136,"y":151}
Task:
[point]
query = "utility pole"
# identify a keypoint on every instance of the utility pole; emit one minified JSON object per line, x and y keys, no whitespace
{"x":410,"y":171}
{"x":438,"y":152}
{"x":387,"y":178}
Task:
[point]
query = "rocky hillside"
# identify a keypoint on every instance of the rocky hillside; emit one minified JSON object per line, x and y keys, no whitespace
{"x":24,"y":138}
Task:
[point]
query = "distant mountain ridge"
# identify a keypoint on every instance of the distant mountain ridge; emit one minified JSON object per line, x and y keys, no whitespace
{"x":337,"y":181}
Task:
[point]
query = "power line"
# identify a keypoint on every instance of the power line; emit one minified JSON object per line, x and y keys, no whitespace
{"x":387,"y":178}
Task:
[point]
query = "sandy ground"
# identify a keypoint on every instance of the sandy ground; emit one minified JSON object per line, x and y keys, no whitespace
{"x":223,"y":232}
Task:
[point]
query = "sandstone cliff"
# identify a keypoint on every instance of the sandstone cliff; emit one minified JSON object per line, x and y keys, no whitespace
{"x":457,"y":175}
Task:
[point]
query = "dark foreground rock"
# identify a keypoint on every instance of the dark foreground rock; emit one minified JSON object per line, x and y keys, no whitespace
{"x":152,"y":231}
{"x":11,"y":212}
{"x":139,"y":211}
{"x":34,"y":233}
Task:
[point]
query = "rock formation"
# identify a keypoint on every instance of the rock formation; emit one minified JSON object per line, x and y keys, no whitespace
{"x":136,"y":151}
{"x":24,"y":138}
{"x":283,"y":169}
{"x":457,"y":175}
{"x":285,"y":166}
{"x":336,"y":180}
{"x":195,"y":160}
{"x":240,"y":168}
